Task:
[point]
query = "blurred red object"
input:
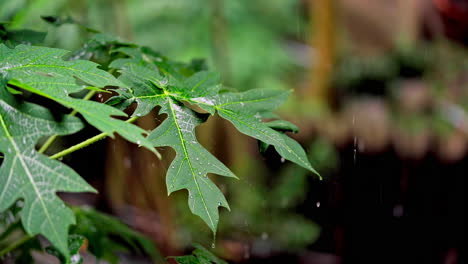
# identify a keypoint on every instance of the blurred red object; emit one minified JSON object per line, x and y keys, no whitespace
{"x":454,"y":15}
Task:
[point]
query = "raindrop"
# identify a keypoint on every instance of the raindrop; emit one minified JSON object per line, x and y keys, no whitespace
{"x":191,"y":196}
{"x":138,"y":114}
{"x":219,"y":204}
{"x":317,"y":204}
{"x":75,"y":259}
{"x":199,"y":173}
{"x":213,"y":245}
{"x":138,"y":142}
{"x":264,"y":236}
{"x":282,"y":160}
{"x":172,"y":167}
{"x":354,"y":142}
{"x":197,"y":158}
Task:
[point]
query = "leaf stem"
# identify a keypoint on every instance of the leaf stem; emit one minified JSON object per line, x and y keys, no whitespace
{"x":51,"y":139}
{"x":15,"y":245}
{"x":85,"y":143}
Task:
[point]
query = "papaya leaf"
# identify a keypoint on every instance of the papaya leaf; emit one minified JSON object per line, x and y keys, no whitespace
{"x":152,"y":84}
{"x":26,"y":174}
{"x":245,"y":110}
{"x":193,"y":162}
{"x":42,"y":71}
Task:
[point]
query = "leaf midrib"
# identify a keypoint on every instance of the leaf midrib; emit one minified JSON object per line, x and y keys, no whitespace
{"x":59,"y":67}
{"x":184,"y":147}
{"x":28,"y":173}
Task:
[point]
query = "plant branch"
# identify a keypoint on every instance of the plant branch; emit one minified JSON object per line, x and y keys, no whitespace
{"x":51,"y":139}
{"x":15,"y":245}
{"x":89,"y":142}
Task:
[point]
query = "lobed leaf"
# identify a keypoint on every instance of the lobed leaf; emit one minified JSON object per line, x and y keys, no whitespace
{"x":43,"y":71}
{"x":245,"y":110}
{"x":26,"y":174}
{"x":189,"y":169}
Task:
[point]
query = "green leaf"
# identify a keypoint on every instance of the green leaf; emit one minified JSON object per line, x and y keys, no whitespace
{"x":14,"y":37}
{"x":189,"y":169}
{"x":278,"y":125}
{"x":192,"y":163}
{"x":101,"y":229}
{"x":43,"y":71}
{"x":283,"y":126}
{"x":26,"y":174}
{"x":245,"y":110}
{"x":74,"y":244}
{"x":153,"y":83}
{"x":199,"y":256}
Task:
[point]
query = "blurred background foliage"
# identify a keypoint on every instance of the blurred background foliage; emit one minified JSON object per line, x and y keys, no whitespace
{"x":379,"y":87}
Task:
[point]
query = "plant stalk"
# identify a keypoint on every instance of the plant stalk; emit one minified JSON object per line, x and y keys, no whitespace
{"x":85,"y":143}
{"x":15,"y":245}
{"x":51,"y":139}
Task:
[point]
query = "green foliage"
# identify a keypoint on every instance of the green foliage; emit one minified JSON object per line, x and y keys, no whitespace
{"x":74,"y":244}
{"x":199,"y":256}
{"x":155,"y":82}
{"x":42,"y":71}
{"x":101,"y":230}
{"x":186,"y":94}
{"x":26,"y":174}
{"x":14,"y":37}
